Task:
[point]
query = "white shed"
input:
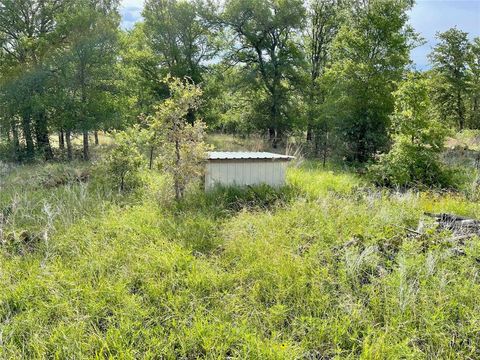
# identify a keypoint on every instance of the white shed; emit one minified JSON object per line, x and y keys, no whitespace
{"x":245,"y":168}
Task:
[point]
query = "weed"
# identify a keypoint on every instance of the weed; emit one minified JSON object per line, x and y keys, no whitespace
{"x":325,"y":267}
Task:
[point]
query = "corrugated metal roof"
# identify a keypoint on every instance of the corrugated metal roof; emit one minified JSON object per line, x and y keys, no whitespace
{"x":234,"y":155}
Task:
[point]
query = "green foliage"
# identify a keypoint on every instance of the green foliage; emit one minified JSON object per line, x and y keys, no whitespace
{"x":413,"y":116}
{"x":369,"y":55}
{"x":474,"y":83}
{"x":264,"y":44}
{"x":60,"y":72}
{"x":418,"y":140}
{"x":8,"y":151}
{"x":181,"y":36}
{"x":411,"y":165}
{"x":228,"y":99}
{"x":449,"y":60}
{"x":121,"y":166}
{"x":89,"y":81}
{"x":324,"y":20}
{"x":141,"y":70}
{"x":324,"y":70}
{"x":182,"y":146}
{"x":28,"y":31}
{"x":331,"y":271}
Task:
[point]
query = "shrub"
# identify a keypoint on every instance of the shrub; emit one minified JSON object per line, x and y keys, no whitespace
{"x":7,"y":151}
{"x":122,"y":163}
{"x":418,"y":140}
{"x":411,"y":165}
{"x":182,"y":147}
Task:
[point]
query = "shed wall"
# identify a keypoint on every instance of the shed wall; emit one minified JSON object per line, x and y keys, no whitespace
{"x":245,"y":172}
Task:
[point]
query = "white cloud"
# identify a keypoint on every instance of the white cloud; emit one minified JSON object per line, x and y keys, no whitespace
{"x":131,"y":11}
{"x":132,"y":3}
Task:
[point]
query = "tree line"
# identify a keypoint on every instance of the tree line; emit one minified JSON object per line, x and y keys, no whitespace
{"x":323,"y":70}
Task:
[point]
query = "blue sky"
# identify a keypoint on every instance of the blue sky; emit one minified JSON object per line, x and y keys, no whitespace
{"x":431,"y":16}
{"x":131,"y":12}
{"x":427,"y":17}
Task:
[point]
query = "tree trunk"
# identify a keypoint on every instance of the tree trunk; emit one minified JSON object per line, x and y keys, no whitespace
{"x":310,"y":108}
{"x":276,"y":139}
{"x":95,"y":134}
{"x":43,"y":139}
{"x":68,"y":138}
{"x":61,"y":140}
{"x":309,"y":131}
{"x":16,"y":141}
{"x":85,"y":146}
{"x":316,"y":141}
{"x":150,"y":165}
{"x":275,"y":114}
{"x":82,"y":78}
{"x":461,"y":115}
{"x":271,"y":133}
{"x":27,"y":134}
{"x":475,"y":113}
{"x":273,"y":137}
{"x":7,"y":131}
{"x":122,"y":183}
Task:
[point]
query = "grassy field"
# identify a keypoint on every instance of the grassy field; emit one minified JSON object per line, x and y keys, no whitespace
{"x":324,"y":268}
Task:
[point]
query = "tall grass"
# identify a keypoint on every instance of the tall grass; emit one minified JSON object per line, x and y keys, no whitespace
{"x":325,"y":268}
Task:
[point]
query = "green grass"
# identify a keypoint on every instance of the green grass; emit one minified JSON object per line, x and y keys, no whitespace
{"x":324,"y":268}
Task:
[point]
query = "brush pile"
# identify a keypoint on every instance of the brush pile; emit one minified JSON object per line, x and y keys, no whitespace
{"x":461,"y":227}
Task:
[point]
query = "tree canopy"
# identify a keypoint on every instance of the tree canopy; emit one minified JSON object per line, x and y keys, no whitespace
{"x":325,"y":71}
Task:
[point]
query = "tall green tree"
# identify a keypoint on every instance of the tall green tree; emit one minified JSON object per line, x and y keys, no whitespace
{"x":181,"y":36}
{"x":264,"y":43}
{"x":27,"y":34}
{"x":449,"y":62}
{"x":143,"y":74}
{"x":324,"y":21}
{"x":88,"y":75}
{"x":474,"y":83}
{"x":369,"y":55}
{"x":412,"y":117}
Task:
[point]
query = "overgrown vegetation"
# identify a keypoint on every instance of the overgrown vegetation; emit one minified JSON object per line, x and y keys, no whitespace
{"x":122,"y":255}
{"x":329,"y":266}
{"x":121,"y":166}
{"x":414,"y":158}
{"x":182,"y":150}
{"x":324,"y":71}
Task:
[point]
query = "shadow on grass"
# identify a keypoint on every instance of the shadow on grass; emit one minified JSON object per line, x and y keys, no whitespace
{"x":198,"y":218}
{"x":226,"y":201}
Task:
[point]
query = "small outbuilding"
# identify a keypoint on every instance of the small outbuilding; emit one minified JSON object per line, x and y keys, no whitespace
{"x":245,"y":168}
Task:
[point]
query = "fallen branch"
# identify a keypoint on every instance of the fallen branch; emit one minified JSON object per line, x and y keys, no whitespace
{"x":457,"y":224}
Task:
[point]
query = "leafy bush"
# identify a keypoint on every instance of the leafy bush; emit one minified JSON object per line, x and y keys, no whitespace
{"x":182,"y":146}
{"x":418,"y":138}
{"x":411,"y":165}
{"x":120,"y":168}
{"x":7,"y":151}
